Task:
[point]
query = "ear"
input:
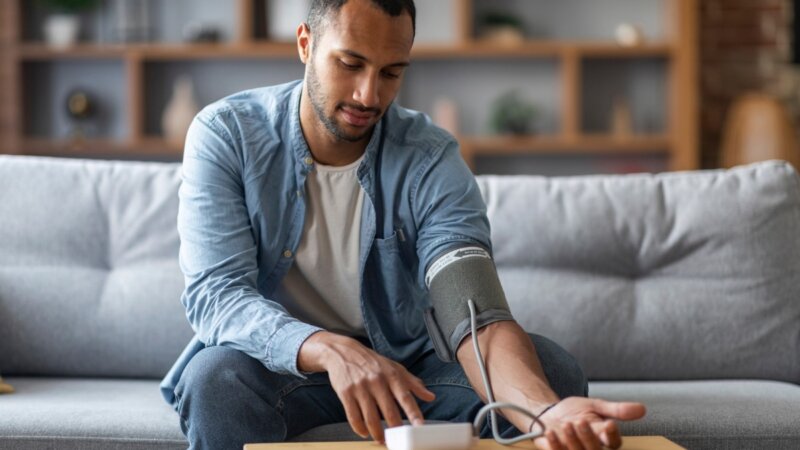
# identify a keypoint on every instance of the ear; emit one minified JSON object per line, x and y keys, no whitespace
{"x":304,"y":42}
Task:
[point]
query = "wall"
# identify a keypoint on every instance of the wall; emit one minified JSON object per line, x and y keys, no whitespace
{"x":745,"y":46}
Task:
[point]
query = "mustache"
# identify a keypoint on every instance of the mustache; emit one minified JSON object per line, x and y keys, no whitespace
{"x":359,"y":108}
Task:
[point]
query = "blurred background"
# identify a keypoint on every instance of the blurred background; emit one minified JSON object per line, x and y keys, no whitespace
{"x":552,"y":87}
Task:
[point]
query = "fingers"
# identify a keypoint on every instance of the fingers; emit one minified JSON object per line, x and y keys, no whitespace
{"x":553,"y":443}
{"x":587,"y":424}
{"x":619,"y":410}
{"x":609,"y":434}
{"x":388,"y":407}
{"x":371,"y":417}
{"x":418,"y":388}
{"x":353,"y":413}
{"x":373,"y":390}
{"x":570,"y":438}
{"x":404,"y":393}
{"x":587,"y":436}
{"x":409,"y":405}
{"x":574,"y":436}
{"x":379,"y":398}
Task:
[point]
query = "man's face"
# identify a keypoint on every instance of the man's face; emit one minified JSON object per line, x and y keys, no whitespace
{"x":356,"y":66}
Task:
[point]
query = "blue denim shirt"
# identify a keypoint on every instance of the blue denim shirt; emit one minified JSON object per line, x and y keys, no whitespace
{"x":241,"y":215}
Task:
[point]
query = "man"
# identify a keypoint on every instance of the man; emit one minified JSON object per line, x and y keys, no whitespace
{"x":315,"y":220}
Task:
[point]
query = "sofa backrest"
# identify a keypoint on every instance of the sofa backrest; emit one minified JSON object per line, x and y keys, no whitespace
{"x":672,"y":276}
{"x":73,"y":300}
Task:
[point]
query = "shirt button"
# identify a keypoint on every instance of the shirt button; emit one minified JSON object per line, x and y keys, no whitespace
{"x":287,"y":253}
{"x":309,"y":160}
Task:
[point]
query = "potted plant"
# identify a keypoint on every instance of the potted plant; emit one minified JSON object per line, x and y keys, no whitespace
{"x":512,"y":115}
{"x":502,"y":28}
{"x":62,"y":26}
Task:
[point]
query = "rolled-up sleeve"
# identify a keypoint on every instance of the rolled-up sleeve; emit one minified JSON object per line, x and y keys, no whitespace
{"x":448,"y":207}
{"x":218,"y":255}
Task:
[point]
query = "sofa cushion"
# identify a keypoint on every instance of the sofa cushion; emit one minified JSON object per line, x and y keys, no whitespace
{"x":89,"y":276}
{"x":87,"y":414}
{"x":116,"y":414}
{"x":685,"y":275}
{"x":713,"y":415}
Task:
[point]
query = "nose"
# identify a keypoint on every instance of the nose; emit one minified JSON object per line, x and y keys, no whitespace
{"x":366,"y":92}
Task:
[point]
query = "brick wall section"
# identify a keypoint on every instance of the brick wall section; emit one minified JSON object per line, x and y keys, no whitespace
{"x":744,"y":46}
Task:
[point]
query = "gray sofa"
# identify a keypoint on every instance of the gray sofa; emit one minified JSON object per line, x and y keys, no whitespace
{"x":678,"y":290}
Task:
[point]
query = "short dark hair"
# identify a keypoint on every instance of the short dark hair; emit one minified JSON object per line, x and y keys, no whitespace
{"x":320,"y":9}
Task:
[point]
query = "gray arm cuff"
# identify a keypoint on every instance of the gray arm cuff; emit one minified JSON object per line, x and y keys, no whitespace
{"x":448,"y":321}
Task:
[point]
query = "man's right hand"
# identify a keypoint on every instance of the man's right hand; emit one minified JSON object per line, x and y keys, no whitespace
{"x":369,"y":385}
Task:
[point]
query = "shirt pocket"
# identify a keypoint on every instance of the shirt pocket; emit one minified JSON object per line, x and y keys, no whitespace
{"x":395,"y":295}
{"x":395,"y":286}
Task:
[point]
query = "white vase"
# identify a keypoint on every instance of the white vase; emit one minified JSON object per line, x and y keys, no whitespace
{"x":61,"y":30}
{"x":180,"y":111}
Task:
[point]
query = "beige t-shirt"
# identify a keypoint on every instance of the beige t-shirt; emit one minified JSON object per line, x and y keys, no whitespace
{"x":324,"y":279}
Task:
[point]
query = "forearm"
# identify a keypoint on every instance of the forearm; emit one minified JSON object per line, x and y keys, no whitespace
{"x":515,"y":372}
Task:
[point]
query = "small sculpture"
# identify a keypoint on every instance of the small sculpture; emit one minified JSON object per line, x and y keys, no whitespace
{"x":81,"y":107}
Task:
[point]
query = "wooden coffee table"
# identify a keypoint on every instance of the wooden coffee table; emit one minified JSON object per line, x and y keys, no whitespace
{"x":630,"y":443}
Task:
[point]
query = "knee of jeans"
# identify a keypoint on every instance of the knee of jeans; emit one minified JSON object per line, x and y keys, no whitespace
{"x":210,"y":374}
{"x":563,"y":371}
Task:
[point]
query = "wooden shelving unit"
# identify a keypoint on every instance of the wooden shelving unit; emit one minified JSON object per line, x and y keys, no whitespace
{"x":259,"y":50}
{"x":678,"y":142}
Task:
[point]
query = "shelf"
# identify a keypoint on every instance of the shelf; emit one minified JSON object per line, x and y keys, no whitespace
{"x":545,"y":48}
{"x":36,"y":52}
{"x":655,"y":144}
{"x":612,"y":50}
{"x":260,"y":50}
{"x":479,"y":49}
{"x":160,"y":51}
{"x":149,"y":147}
{"x":284,"y":50}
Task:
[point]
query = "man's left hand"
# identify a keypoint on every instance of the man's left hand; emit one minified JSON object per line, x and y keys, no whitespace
{"x":578,"y":423}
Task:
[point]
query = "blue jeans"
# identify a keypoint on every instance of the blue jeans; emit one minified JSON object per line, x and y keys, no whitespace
{"x":226,"y":398}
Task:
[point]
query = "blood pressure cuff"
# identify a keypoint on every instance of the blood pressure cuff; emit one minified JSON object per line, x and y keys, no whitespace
{"x":459,"y":275}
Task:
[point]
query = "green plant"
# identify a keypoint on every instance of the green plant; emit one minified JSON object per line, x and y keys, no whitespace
{"x":70,"y":6}
{"x":512,"y":114}
{"x":501,"y":19}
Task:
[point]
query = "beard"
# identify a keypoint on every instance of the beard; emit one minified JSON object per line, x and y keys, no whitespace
{"x":318,"y":102}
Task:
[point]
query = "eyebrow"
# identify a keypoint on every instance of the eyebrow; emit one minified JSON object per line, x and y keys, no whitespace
{"x":364,"y":58}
